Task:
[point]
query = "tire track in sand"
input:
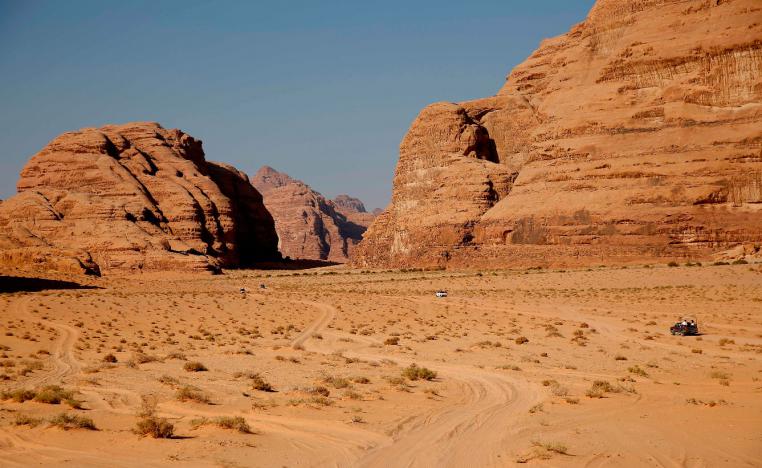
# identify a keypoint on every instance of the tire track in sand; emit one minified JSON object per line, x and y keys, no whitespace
{"x":471,"y":433}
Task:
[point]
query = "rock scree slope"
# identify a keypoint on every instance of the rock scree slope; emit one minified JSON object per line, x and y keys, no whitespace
{"x":310,"y":226}
{"x":133,"y":197}
{"x":636,"y":135}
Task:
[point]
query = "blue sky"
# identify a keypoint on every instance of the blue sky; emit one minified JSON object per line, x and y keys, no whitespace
{"x":321,"y":90}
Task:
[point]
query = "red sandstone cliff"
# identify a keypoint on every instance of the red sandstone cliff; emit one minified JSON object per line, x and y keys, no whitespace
{"x":133,"y":197}
{"x":310,"y":226}
{"x":636,"y":135}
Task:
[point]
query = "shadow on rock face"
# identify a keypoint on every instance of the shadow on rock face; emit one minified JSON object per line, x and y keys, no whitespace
{"x":12,"y":284}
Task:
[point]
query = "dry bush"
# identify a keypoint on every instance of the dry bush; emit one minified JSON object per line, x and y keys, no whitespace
{"x":73,"y":421}
{"x":259,"y":383}
{"x":413,"y":372}
{"x":110,"y":358}
{"x":19,"y":396}
{"x":521,"y":340}
{"x":194,"y":366}
{"x":191,"y":393}
{"x":637,"y":370}
{"x":24,"y":420}
{"x":158,"y":428}
{"x":54,"y":395}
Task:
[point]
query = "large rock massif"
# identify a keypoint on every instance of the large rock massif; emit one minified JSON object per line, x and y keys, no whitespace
{"x":133,"y":197}
{"x":310,"y":226}
{"x":636,"y":135}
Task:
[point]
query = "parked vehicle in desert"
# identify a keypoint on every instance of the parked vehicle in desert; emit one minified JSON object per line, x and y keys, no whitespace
{"x":441,"y":293}
{"x":685,"y":327}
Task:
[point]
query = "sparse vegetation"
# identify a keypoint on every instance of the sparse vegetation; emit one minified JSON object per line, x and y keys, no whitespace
{"x":67,"y":421}
{"x":194,"y":366}
{"x":413,"y":372}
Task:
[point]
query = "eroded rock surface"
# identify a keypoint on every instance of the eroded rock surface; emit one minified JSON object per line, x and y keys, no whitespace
{"x":310,"y":226}
{"x":636,"y":135}
{"x":133,"y":197}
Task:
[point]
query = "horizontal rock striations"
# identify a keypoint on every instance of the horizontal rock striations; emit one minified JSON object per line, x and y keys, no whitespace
{"x":133,"y":197}
{"x":636,"y":135}
{"x":310,"y":226}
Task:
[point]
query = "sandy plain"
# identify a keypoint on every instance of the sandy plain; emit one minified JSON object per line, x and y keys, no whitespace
{"x":544,"y":367}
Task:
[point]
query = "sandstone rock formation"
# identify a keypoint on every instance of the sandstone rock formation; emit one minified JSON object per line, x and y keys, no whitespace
{"x":636,"y":135}
{"x":133,"y":197}
{"x":309,"y":226}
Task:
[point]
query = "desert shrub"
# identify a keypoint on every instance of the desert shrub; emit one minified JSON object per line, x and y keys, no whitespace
{"x":317,"y":390}
{"x":413,"y":372}
{"x":54,"y":395}
{"x":24,"y":420}
{"x":719,"y":375}
{"x":361,"y":380}
{"x":392,"y":341}
{"x":521,"y":340}
{"x":152,"y":426}
{"x":19,"y":396}
{"x":619,"y":357}
{"x":194,"y":366}
{"x":599,"y":388}
{"x":336,"y":382}
{"x":233,"y":422}
{"x":109,"y":358}
{"x":637,"y":370}
{"x":259,"y":383}
{"x":142,"y":358}
{"x":672,"y":264}
{"x":726,"y":341}
{"x":740,"y":261}
{"x":190,"y":393}
{"x":72,"y":421}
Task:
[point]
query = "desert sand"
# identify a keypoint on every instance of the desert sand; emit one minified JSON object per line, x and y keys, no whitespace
{"x":545,"y":367}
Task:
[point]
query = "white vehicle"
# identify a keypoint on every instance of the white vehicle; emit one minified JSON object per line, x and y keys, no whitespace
{"x":441,"y":293}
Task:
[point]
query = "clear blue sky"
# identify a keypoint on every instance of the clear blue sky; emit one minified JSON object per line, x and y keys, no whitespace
{"x":323,"y":90}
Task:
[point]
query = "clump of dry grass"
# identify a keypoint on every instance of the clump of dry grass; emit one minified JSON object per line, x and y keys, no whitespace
{"x":259,"y":383}
{"x":72,"y":421}
{"x":194,"y":366}
{"x":543,"y":451}
{"x":149,"y":424}
{"x":191,"y":393}
{"x":237,"y":423}
{"x":25,"y":420}
{"x":600,"y":388}
{"x":54,"y":395}
{"x":413,"y":372}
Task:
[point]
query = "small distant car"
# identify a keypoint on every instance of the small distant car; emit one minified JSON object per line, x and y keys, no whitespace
{"x":685,"y":327}
{"x":441,"y":293}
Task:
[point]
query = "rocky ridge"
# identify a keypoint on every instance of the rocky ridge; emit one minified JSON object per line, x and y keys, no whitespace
{"x":133,"y":197}
{"x":634,"y":136}
{"x":310,"y":226}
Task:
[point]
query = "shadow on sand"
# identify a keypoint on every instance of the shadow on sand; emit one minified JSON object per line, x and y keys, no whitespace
{"x":12,"y":284}
{"x":293,"y":265}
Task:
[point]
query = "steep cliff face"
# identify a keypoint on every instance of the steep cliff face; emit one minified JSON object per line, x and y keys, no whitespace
{"x":309,"y":226}
{"x":636,"y":135}
{"x":133,"y":197}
